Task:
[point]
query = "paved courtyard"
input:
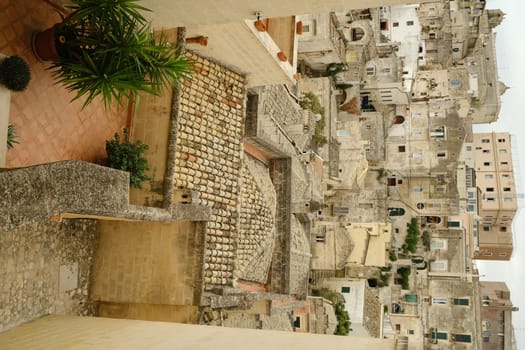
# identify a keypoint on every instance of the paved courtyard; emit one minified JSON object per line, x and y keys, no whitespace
{"x":50,"y":128}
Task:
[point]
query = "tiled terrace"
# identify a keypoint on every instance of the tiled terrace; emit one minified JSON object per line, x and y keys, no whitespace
{"x":50,"y":127}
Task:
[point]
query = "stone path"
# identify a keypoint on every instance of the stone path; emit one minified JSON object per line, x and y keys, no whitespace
{"x":30,"y":261}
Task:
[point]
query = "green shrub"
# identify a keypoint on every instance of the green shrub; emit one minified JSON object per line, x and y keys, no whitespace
{"x":412,"y":237}
{"x":311,"y":102}
{"x":129,"y":157}
{"x":392,"y":255}
{"x":404,"y":272}
{"x":11,"y":136}
{"x":15,"y":73}
{"x":343,"y":320}
{"x":425,"y":238}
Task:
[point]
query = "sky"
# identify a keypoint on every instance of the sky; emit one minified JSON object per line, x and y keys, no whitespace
{"x":510,"y":46}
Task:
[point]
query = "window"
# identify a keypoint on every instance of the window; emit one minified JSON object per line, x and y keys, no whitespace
{"x":490,"y":189}
{"x":503,"y":151}
{"x":410,"y":23}
{"x":491,"y":199}
{"x":439,"y":265}
{"x":401,"y":148}
{"x":306,"y":28}
{"x":441,"y":154}
{"x":370,"y":71}
{"x":487,"y":254}
{"x":468,"y":148}
{"x":502,"y":254}
{"x":297,"y":322}
{"x":455,"y":49}
{"x":440,"y":301}
{"x":489,"y":176}
{"x":504,"y":163}
{"x":503,"y":229}
{"x":507,"y":199}
{"x":485,"y":141}
{"x":486,"y":163}
{"x":345,"y":289}
{"x":386,"y":70}
{"x":461,"y":301}
{"x":432,"y":36}
{"x":398,"y":327}
{"x":486,"y":228}
{"x":454,"y":224}
{"x":506,"y":189}
{"x":501,"y":140}
{"x":462,"y":338}
{"x":410,"y":331}
{"x":417,"y":189}
{"x":395,"y":24}
{"x":486,"y":151}
{"x":439,"y":335}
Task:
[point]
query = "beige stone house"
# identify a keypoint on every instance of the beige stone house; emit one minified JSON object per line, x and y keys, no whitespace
{"x":497,"y":202}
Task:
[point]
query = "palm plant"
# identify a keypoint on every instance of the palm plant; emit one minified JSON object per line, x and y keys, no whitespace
{"x":106,"y":48}
{"x":11,"y":136}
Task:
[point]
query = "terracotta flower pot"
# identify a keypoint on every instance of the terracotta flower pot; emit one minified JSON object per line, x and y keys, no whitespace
{"x":201,"y":40}
{"x":259,"y":25}
{"x":43,"y":44}
{"x":299,"y":28}
{"x":282,"y":56}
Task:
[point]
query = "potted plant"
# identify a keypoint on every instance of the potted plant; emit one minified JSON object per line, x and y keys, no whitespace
{"x":14,"y":73}
{"x":106,"y":48}
{"x":127,"y":156}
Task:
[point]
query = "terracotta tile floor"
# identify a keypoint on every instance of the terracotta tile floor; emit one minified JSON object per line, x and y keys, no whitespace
{"x":50,"y":127}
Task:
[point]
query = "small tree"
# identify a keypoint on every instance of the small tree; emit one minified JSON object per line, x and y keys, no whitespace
{"x":129,"y":157}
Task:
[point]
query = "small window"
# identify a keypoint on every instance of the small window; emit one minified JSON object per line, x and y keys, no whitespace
{"x":503,"y":229}
{"x":506,"y":189}
{"x":489,"y":176}
{"x":440,"y":301}
{"x":306,"y":28}
{"x":454,"y":224}
{"x":502,"y":254}
{"x":439,"y":335}
{"x":410,"y":23}
{"x":297,"y":322}
{"x":485,"y":140}
{"x":345,"y":290}
{"x":432,"y":36}
{"x":463,"y":338}
{"x":501,"y":140}
{"x":398,"y":327}
{"x":401,"y":148}
{"x":370,"y":71}
{"x":503,"y":151}
{"x":468,"y":148}
{"x":486,"y":163}
{"x":504,"y":163}
{"x":489,"y":189}
{"x":486,"y":151}
{"x":461,"y":301}
{"x":441,"y":154}
{"x":455,"y":49}
{"x":411,"y":331}
{"x":486,"y":228}
{"x":487,"y":254}
{"x":507,"y":199}
{"x":395,"y":24}
{"x":491,"y":199}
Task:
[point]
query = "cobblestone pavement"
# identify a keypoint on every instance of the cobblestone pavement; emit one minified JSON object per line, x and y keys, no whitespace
{"x":30,"y":261}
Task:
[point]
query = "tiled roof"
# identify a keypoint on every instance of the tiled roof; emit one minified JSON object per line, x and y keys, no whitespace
{"x":256,"y":232}
{"x":208,"y":158}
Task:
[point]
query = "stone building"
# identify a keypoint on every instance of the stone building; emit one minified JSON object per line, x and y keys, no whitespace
{"x":497,"y":203}
{"x":496,"y":316}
